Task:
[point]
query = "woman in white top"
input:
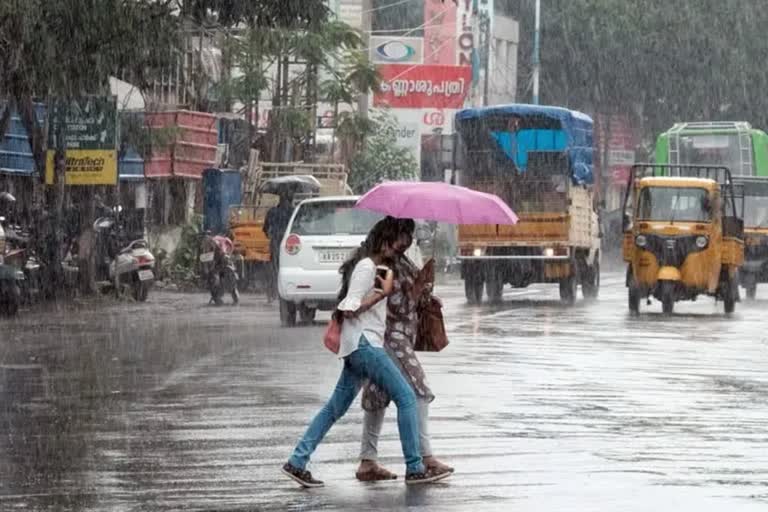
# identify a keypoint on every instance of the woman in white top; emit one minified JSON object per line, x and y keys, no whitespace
{"x":363,"y":312}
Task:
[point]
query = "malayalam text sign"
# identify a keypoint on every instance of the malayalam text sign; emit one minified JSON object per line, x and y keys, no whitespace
{"x":426,"y":86}
{"x":85,"y":167}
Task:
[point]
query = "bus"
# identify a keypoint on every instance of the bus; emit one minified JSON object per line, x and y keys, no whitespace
{"x":733,"y":144}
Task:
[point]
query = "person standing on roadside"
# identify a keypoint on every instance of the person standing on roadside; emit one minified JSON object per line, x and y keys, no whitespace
{"x":275,"y":224}
{"x":399,"y":340}
{"x":362,"y":311}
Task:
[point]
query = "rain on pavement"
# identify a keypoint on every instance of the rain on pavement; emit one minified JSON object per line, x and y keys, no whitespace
{"x":177,"y":405}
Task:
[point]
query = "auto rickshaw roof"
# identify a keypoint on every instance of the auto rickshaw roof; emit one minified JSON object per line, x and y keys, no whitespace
{"x":678,"y":182}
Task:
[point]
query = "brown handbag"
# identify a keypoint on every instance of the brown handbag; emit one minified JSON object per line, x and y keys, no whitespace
{"x":431,"y":335}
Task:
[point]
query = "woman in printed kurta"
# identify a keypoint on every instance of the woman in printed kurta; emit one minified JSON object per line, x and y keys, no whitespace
{"x":399,"y":339}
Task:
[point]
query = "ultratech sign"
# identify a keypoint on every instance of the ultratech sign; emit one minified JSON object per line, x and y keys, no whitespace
{"x":85,"y":167}
{"x":88,"y":126}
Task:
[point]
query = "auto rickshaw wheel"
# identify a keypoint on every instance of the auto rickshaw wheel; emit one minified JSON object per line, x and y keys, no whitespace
{"x":730,"y":290}
{"x":667,"y":297}
{"x":633,"y":293}
{"x":749,"y":282}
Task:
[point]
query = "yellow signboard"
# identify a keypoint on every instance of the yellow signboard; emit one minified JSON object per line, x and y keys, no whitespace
{"x":86,"y":167}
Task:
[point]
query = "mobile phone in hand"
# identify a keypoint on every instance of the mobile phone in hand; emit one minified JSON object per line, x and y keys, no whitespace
{"x":381,"y":272}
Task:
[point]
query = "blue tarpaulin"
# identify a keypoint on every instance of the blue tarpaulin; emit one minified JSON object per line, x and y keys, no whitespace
{"x":574,"y":136}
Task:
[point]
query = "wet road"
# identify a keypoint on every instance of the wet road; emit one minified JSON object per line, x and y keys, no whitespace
{"x":177,"y":405}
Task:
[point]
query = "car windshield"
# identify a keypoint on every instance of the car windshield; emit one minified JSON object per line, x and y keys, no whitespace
{"x":756,"y":211}
{"x":333,"y":218}
{"x":685,"y":204}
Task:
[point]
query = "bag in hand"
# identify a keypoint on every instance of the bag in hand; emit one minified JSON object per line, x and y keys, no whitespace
{"x":332,"y":337}
{"x":431,"y":335}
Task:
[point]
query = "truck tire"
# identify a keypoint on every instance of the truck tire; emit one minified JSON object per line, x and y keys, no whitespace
{"x":494,"y":286}
{"x":287,"y":313}
{"x":667,"y":294}
{"x":473,"y":290}
{"x":568,"y":290}
{"x":590,"y":284}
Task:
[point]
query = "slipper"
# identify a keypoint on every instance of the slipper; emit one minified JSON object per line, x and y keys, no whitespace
{"x":375,"y":474}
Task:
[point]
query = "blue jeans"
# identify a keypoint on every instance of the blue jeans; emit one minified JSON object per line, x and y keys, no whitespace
{"x":371,"y":363}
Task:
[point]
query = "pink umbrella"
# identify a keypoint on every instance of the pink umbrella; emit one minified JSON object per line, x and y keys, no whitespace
{"x":436,"y":201}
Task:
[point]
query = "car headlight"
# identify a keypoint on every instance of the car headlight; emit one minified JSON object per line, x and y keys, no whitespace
{"x":477,"y":252}
{"x":701,"y":242}
{"x":549,"y":252}
{"x":641,"y":241}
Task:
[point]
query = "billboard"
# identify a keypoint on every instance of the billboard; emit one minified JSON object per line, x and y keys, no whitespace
{"x":426,"y":86}
{"x":439,"y":32}
{"x":88,"y":126}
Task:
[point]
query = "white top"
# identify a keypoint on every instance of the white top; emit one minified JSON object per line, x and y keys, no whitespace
{"x":370,"y":323}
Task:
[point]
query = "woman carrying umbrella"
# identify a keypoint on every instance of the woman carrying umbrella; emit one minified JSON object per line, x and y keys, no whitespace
{"x":399,"y":339}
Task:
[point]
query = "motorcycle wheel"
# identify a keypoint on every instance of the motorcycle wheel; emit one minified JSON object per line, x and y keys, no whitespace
{"x":140,"y":291}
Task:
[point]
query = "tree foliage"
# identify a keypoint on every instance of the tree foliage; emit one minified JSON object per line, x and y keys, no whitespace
{"x":662,"y":61}
{"x":381,"y":159}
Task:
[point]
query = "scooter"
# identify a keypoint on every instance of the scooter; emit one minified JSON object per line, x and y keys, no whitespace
{"x":133,"y":265}
{"x":218,"y":268}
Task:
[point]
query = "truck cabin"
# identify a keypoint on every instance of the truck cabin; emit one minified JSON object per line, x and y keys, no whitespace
{"x":529,"y":155}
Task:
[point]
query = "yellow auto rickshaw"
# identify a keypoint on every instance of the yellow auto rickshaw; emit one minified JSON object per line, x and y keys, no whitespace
{"x":683,"y":235}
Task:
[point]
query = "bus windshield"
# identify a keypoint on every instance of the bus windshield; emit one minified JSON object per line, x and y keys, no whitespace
{"x":684,"y":204}
{"x":706,"y":149}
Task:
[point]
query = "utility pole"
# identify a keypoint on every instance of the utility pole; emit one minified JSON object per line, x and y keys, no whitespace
{"x":536,"y":57}
{"x":485,"y":28}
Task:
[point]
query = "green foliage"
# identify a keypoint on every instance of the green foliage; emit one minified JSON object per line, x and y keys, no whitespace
{"x":183,"y":263}
{"x":381,"y":158}
{"x":662,"y":61}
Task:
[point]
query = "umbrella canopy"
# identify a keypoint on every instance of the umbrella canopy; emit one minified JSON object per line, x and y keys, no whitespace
{"x":437,"y":201}
{"x":303,"y":183}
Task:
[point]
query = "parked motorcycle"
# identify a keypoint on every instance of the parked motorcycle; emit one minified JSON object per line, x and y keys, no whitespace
{"x":10,"y":279}
{"x":21,"y":255}
{"x":217,"y":266}
{"x":127,"y":263}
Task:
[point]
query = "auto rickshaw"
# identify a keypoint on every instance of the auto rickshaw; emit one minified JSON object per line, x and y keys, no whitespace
{"x":683,"y":235}
{"x":755,"y":268}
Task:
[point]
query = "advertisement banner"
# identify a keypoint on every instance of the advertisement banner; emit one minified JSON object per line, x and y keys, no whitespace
{"x":397,"y":50}
{"x":427,"y":86}
{"x":439,"y":32}
{"x":85,"y":167}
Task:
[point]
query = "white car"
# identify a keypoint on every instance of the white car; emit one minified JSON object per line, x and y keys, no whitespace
{"x":321,"y":235}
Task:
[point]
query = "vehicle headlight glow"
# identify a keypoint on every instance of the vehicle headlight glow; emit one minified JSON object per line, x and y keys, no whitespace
{"x":477,"y":252}
{"x":701,"y":242}
{"x":641,"y":241}
{"x":549,"y":252}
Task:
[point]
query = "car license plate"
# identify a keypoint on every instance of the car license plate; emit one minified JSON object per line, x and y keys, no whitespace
{"x":334,"y":256}
{"x":206,"y":257}
{"x":146,"y":275}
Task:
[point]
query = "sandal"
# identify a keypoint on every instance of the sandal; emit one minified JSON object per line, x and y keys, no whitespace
{"x":375,"y":474}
